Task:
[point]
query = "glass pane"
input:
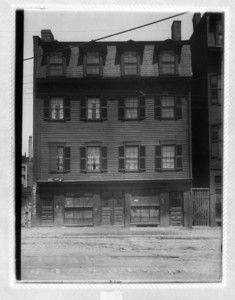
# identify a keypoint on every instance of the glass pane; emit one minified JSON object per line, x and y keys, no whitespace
{"x":131,"y":105}
{"x":93,"y":108}
{"x":131,"y":158}
{"x":93,"y":158}
{"x":60,"y":158}
{"x":57,"y":108}
{"x":168,"y":154}
{"x":167,"y":101}
{"x":168,"y":113}
{"x":130,"y":69}
{"x":93,"y":58}
{"x":56,"y":59}
{"x":93,"y":70}
{"x":168,"y":68}
{"x":130,"y":57}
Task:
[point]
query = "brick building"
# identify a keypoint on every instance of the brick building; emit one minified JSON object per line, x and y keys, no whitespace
{"x":207,"y":107}
{"x":112,"y":132}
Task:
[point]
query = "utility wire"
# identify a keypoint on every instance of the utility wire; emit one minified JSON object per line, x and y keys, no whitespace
{"x":107,"y":36}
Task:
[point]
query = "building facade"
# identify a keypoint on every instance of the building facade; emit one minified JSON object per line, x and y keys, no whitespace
{"x":207,"y":107}
{"x":112,"y":132}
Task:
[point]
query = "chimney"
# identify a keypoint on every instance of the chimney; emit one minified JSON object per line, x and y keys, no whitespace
{"x":30,"y":148}
{"x":176,"y":31}
{"x":196,"y":19}
{"x":46,"y":35}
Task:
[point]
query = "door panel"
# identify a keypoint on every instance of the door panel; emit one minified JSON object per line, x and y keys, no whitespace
{"x":47,"y":211}
{"x":112,"y":211}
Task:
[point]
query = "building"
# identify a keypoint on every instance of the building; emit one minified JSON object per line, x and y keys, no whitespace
{"x":112,"y":132}
{"x":207,"y":107}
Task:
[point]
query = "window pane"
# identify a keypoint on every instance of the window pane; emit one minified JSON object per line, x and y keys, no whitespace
{"x":93,"y":108}
{"x":168,"y":56}
{"x":167,"y":103}
{"x":93,"y":158}
{"x":56,"y":70}
{"x":132,"y":158}
{"x":130,"y":57}
{"x":168,"y":68}
{"x":60,"y":158}
{"x":168,"y":157}
{"x":93,"y":70}
{"x":130,"y":69}
{"x":57,"y":108}
{"x":93,"y":58}
{"x":131,"y":108}
{"x":55,"y":59}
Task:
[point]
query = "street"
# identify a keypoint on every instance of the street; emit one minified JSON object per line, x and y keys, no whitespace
{"x":121,"y":254}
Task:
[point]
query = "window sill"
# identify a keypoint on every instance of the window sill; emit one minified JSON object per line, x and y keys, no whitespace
{"x":168,"y":170}
{"x":57,"y":121}
{"x":57,"y":173}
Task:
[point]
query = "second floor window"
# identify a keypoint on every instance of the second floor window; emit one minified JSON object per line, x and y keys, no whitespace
{"x":132,"y":158}
{"x":215,"y":89}
{"x":56,"y":65}
{"x":168,"y":107}
{"x":131,"y":108}
{"x":93,"y":63}
{"x":56,"y":109}
{"x":168,"y":63}
{"x":93,"y":108}
{"x":168,"y":157}
{"x":216,"y":141}
{"x":59,"y":158}
{"x":130,"y":63}
{"x":93,"y":159}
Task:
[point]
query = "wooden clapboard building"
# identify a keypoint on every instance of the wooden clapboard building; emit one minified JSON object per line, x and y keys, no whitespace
{"x":112,"y":132}
{"x":207,"y":108}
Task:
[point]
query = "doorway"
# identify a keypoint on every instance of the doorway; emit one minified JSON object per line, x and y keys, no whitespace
{"x":112,"y":208}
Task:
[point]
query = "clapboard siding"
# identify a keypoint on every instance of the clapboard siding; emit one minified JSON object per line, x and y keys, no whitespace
{"x":111,"y":68}
{"x":112,"y":133}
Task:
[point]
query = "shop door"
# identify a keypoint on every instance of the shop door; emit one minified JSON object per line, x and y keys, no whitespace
{"x":176,"y":208}
{"x":112,"y":210}
{"x":47,"y":211}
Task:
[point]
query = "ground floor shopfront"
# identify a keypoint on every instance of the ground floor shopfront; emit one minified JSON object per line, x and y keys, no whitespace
{"x":113,"y":204}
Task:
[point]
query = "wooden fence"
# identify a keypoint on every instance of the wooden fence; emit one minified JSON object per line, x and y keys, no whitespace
{"x":201,"y":206}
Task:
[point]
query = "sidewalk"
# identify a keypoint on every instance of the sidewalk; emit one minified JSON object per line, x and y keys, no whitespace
{"x":161,"y":233}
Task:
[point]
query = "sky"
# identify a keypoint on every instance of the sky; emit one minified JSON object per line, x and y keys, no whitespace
{"x":67,"y":25}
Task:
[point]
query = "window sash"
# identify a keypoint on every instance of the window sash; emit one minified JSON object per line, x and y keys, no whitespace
{"x":130,"y":63}
{"x":216,"y":89}
{"x":93,"y":108}
{"x":131,"y":158}
{"x":167,"y":107}
{"x":131,"y":107}
{"x":93,"y":158}
{"x":168,"y":157}
{"x":93,"y":62}
{"x":168,"y":62}
{"x":57,"y":108}
{"x":56,"y":64}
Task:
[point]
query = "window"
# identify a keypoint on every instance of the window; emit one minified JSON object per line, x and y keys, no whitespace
{"x":131,"y":158}
{"x":92,"y":63}
{"x":93,"y":108}
{"x":59,"y":158}
{"x":56,"y":109}
{"x":131,"y":108}
{"x":23,"y":168}
{"x":93,"y":159}
{"x":168,"y":107}
{"x":130,"y":63}
{"x":168,"y":62}
{"x":168,"y":157}
{"x":56,"y":64}
{"x":215,"y":89}
{"x":216,"y":141}
{"x":218,"y":33}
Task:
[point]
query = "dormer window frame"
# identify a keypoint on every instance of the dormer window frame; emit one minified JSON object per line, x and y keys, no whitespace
{"x":126,"y":63}
{"x":169,"y":63}
{"x":51,"y":64}
{"x":87,"y":63}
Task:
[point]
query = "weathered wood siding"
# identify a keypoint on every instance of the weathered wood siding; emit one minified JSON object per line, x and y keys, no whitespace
{"x":112,"y":133}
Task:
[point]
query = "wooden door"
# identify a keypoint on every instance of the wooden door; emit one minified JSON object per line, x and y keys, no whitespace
{"x":47,"y":210}
{"x":106,"y":212}
{"x":118,"y":211}
{"x":112,"y":209}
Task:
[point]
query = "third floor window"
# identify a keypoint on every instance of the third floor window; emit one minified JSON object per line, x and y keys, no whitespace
{"x":130,"y":63}
{"x":168,"y":63}
{"x":56,"y":64}
{"x":92,"y":63}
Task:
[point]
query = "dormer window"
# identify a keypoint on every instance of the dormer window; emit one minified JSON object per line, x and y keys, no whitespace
{"x":56,"y":64}
{"x":92,"y":63}
{"x":168,"y":62}
{"x":130,"y":63}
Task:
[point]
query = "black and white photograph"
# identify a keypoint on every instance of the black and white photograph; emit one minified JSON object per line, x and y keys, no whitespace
{"x":122,"y":147}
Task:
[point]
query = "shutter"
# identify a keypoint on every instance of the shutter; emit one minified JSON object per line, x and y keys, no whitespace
{"x":82,"y":159}
{"x":121,"y":108}
{"x":122,"y":71}
{"x":141,"y":108}
{"x":67,"y":159}
{"x":84,"y":64}
{"x":121,"y":162}
{"x":104,"y":155}
{"x":67,"y":109}
{"x":101,"y":64}
{"x":138,"y":62}
{"x":160,"y":63}
{"x":158,"y":108}
{"x":53,"y":159}
{"x":178,"y":107}
{"x":179,"y":158}
{"x":103,"y":108}
{"x":83,"y":116}
{"x":142,"y":158}
{"x":46,"y":109}
{"x":158,"y":157}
